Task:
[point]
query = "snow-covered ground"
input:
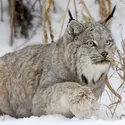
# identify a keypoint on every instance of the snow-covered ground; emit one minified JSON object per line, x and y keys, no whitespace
{"x":118,"y":27}
{"x":59,"y":120}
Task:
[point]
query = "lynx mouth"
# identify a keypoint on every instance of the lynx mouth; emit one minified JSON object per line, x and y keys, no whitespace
{"x":98,"y":60}
{"x":104,"y":61}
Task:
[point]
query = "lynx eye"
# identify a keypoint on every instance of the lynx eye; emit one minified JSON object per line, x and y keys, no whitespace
{"x":91,"y":44}
{"x":108,"y":42}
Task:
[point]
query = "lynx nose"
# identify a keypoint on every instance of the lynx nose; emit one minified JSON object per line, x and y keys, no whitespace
{"x":104,"y":54}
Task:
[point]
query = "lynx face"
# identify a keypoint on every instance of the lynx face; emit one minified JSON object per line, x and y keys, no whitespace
{"x":94,"y":47}
{"x":97,"y":44}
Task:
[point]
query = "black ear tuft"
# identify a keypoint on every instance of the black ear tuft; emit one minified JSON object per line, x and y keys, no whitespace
{"x":70,"y":15}
{"x":111,"y":15}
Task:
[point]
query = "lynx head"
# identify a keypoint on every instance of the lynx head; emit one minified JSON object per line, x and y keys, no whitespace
{"x":89,"y":48}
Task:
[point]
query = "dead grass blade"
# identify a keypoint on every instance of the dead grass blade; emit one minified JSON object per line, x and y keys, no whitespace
{"x":44,"y":20}
{"x":85,"y":17}
{"x":109,"y":95}
{"x":121,"y":76}
{"x":103,"y":11}
{"x":113,"y":91}
{"x":86,"y":9}
{"x":49,"y":21}
{"x":50,"y":4}
{"x":118,"y":103}
{"x":118,"y":95}
{"x":50,"y":29}
{"x":109,"y":110}
{"x":75,"y":8}
{"x":64,"y":18}
{"x":109,"y":6}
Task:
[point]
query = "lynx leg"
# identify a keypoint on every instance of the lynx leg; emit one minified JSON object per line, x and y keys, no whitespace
{"x":83,"y":104}
{"x":69,"y":99}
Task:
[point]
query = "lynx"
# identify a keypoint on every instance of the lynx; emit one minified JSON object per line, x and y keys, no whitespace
{"x":65,"y":77}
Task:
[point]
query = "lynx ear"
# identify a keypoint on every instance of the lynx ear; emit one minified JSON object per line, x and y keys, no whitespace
{"x":70,"y":15}
{"x":110,"y":15}
{"x":107,"y":21}
{"x":74,"y":27}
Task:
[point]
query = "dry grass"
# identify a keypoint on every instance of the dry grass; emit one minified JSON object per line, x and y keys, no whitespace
{"x":116,"y":95}
{"x":120,"y":69}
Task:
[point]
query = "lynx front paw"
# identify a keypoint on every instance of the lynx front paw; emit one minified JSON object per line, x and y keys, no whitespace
{"x":83,"y":104}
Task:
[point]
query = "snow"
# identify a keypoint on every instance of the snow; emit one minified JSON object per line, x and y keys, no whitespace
{"x":58,"y":120}
{"x":117,"y":29}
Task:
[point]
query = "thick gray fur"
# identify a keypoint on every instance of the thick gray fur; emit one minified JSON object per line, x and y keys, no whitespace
{"x":65,"y":77}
